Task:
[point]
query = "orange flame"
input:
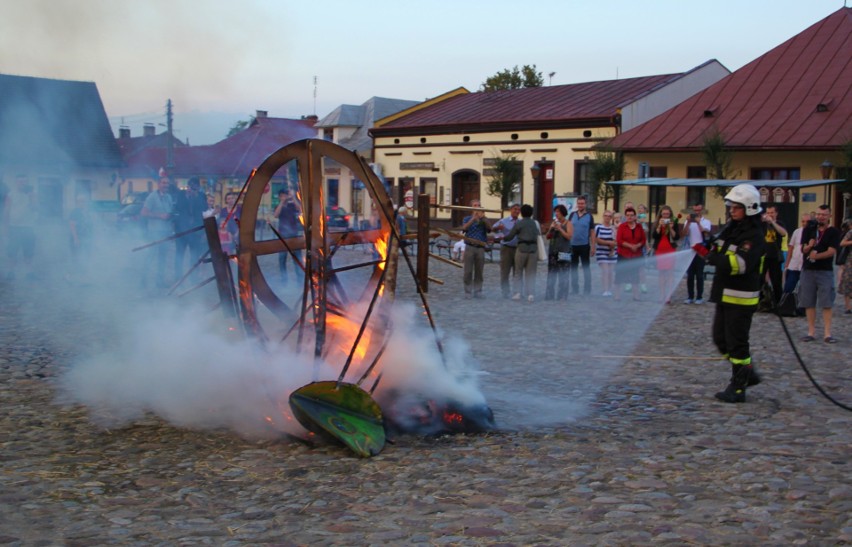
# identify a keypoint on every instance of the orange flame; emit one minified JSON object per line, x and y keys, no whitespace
{"x":382,"y":249}
{"x":345,"y":332}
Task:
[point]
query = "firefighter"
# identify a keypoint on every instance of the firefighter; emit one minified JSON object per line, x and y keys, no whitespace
{"x":737,"y":253}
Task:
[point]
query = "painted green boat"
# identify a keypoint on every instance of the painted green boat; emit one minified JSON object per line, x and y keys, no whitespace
{"x":344,"y":412}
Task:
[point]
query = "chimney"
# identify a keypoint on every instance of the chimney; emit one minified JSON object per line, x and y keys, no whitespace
{"x":261,"y":114}
{"x":123,"y":132}
{"x":148,"y":130}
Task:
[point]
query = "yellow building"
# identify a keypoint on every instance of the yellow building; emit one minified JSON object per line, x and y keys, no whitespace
{"x":447,"y":147}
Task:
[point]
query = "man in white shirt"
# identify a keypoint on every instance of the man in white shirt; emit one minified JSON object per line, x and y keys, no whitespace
{"x":697,"y":229}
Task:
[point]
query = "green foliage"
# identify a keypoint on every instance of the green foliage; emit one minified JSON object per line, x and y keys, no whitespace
{"x":607,"y":165}
{"x":514,"y":79}
{"x":506,"y":173}
{"x":239,"y":126}
{"x":719,"y":159}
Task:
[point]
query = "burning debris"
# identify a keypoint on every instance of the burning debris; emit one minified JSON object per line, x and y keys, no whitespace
{"x":417,"y":414}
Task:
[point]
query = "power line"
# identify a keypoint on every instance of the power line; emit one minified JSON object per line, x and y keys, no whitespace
{"x":141,"y":116}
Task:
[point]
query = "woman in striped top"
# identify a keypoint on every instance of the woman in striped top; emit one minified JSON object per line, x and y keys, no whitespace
{"x":606,"y":253}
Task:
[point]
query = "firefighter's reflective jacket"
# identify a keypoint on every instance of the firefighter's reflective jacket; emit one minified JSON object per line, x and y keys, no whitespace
{"x":738,"y":254}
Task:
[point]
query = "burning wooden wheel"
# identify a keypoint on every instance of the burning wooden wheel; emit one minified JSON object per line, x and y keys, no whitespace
{"x":326,"y":313}
{"x":320,"y":242}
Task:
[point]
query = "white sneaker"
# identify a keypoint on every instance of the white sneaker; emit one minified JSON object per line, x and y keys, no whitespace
{"x":516,"y":296}
{"x":531,"y":298}
{"x":699,"y":301}
{"x":628,"y":287}
{"x":688,"y":301}
{"x":606,"y":293}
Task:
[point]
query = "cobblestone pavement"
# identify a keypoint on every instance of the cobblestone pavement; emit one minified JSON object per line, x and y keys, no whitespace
{"x":610,"y":436}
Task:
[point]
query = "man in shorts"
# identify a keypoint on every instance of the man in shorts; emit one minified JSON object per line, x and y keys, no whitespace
{"x":816,"y":285}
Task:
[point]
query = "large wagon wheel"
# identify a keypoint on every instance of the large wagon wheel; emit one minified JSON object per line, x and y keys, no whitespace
{"x":342,"y":410}
{"x":318,"y":242}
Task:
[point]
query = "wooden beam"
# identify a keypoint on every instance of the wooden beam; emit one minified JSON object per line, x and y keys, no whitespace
{"x":447,"y":260}
{"x":465,"y":208}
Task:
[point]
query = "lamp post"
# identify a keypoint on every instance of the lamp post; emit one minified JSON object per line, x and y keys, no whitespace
{"x":825,"y":169}
{"x":535,"y":171}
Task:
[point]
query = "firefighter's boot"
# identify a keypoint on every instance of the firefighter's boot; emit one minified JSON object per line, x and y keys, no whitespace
{"x":753,"y":377}
{"x":735,"y":392}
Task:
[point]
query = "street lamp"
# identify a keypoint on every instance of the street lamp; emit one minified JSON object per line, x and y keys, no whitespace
{"x":535,"y":171}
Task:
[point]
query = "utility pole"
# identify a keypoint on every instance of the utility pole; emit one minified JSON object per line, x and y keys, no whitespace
{"x":315,"y":95}
{"x":170,"y":164}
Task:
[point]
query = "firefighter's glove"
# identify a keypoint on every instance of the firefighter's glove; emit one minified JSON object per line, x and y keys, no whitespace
{"x":701,"y":249}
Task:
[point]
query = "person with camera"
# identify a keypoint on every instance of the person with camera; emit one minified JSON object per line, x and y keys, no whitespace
{"x":159,"y":209}
{"x":696,"y":229}
{"x":737,"y":254}
{"x":816,"y":285}
{"x":559,"y":254}
{"x":664,"y":242}
{"x":475,"y":228}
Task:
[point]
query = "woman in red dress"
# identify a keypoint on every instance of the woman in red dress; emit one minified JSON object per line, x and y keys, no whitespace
{"x":664,"y":239}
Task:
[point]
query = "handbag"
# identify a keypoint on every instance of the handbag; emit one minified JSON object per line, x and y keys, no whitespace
{"x":542,"y":250}
{"x":563,"y":257}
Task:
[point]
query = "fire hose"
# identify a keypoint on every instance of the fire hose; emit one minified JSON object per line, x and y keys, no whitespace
{"x":799,"y":357}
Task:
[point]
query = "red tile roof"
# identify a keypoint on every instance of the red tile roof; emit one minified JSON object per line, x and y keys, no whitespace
{"x":585,"y":103}
{"x":234,"y":156}
{"x":771,"y":103}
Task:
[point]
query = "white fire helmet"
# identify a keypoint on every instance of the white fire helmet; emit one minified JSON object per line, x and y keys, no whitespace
{"x":747,"y":196}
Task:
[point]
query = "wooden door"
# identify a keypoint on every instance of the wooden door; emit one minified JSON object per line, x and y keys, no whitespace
{"x":465,"y":190}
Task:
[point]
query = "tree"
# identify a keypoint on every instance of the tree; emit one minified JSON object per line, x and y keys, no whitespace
{"x":504,"y":177}
{"x":239,"y":126}
{"x":514,"y":79}
{"x":718,"y":158}
{"x":607,"y":165}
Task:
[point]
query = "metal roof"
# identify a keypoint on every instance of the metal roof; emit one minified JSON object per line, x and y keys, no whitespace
{"x":653,"y":181}
{"x":362,"y":118}
{"x":590,"y":100}
{"x":234,"y":156}
{"x":797,"y":96}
